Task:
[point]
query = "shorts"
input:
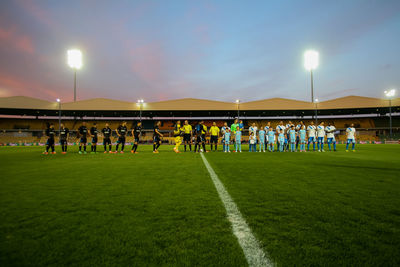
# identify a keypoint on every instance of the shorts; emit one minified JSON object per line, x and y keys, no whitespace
{"x":203,"y":137}
{"x":94,"y":140}
{"x":292,"y":141}
{"x":214,"y":139}
{"x":63,"y":142}
{"x":156,"y":139}
{"x":331,"y":140}
{"x":311,"y":139}
{"x":83,"y":140}
{"x":199,"y":139}
{"x":50,"y":142}
{"x":106,"y":141}
{"x":136,"y":139}
{"x":121,"y":140}
{"x":302,"y":141}
{"x":320,"y":140}
{"x":186,"y":137}
{"x":351,"y":140}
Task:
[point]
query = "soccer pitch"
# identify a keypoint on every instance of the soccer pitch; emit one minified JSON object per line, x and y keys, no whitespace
{"x":305,"y":209}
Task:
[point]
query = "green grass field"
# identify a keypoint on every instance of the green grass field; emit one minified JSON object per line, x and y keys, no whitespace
{"x":306,"y":209}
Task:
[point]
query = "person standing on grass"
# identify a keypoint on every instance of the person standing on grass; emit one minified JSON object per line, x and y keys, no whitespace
{"x":178,"y":136}
{"x":351,"y":137}
{"x":292,"y":137}
{"x":238,"y":140}
{"x":321,"y":136}
{"x":271,"y":139}
{"x":121,"y":132}
{"x":252,"y":142}
{"x":83,"y":133}
{"x":330,"y":136}
{"x":298,"y":128}
{"x":261,"y":139}
{"x":280,"y":127}
{"x":311,"y":135}
{"x":107,"y":132}
{"x":136,"y":132}
{"x":198,"y":129}
{"x":302,"y":137}
{"x":50,"y":133}
{"x":281,"y":140}
{"x":234,"y":125}
{"x":214,"y":133}
{"x":203,"y":136}
{"x":241,"y":125}
{"x":64,"y":134}
{"x":266,"y":129}
{"x":223,"y":131}
{"x":157,"y":137}
{"x":187,"y":135}
{"x":227,"y":139}
{"x":94,"y":132}
{"x":253,"y":129}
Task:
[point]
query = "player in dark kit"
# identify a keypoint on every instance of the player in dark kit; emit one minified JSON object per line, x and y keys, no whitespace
{"x":107,"y":132}
{"x":136,"y":132}
{"x":198,"y":129}
{"x":156,"y":137}
{"x":83,"y":133}
{"x":64,"y":134}
{"x":51,"y":133}
{"x":94,"y":132}
{"x":121,"y":132}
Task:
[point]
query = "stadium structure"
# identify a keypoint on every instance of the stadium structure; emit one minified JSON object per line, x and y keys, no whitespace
{"x":24,"y":119}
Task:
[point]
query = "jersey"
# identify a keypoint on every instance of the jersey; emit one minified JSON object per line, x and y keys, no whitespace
{"x":107,"y":132}
{"x":271,"y":136}
{"x":252,"y":139}
{"x":298,"y":127}
{"x":198,"y":128}
{"x":223,"y":129}
{"x":122,"y":130}
{"x":187,"y":129}
{"x":281,"y":138}
{"x":238,"y":136}
{"x":288,"y":127}
{"x":227,"y":136}
{"x":214,"y":130}
{"x":302,"y":134}
{"x":177,"y":130}
{"x":350,"y":132}
{"x":156,"y":131}
{"x":280,"y":128}
{"x":83,"y":131}
{"x":253,"y":129}
{"x":233,"y":127}
{"x":292,"y":135}
{"x":204,"y":129}
{"x":320,"y":131}
{"x":94,"y":131}
{"x":261,"y":135}
{"x":63,"y":133}
{"x":311,"y":130}
{"x":50,"y":132}
{"x":266,"y":128}
{"x":330,"y":131}
{"x":241,"y":126}
{"x":137,"y":131}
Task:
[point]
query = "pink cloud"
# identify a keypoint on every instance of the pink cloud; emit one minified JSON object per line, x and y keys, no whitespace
{"x":13,"y":38}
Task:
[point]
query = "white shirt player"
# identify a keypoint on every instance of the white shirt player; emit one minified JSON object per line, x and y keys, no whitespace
{"x":266,"y":129}
{"x":351,"y":132}
{"x":279,"y":128}
{"x":311,"y":131}
{"x":298,"y":127}
{"x":320,"y":131}
{"x":253,"y":129}
{"x":330,"y":131}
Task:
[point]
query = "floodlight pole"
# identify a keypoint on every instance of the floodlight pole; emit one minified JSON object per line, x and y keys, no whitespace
{"x":312,"y":87}
{"x":59,"y":117}
{"x":238,"y":110}
{"x":140,"y":112}
{"x":390,"y":119}
{"x":74,"y":84}
{"x":316,"y":113}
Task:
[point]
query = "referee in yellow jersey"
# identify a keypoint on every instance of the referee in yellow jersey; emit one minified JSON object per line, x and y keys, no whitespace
{"x":178,"y":136}
{"x":214,"y":133}
{"x":187,"y":135}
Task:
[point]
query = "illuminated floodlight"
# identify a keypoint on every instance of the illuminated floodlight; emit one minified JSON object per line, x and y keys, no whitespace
{"x":58,"y":100}
{"x":390,"y":93}
{"x":311,"y":60}
{"x":316,"y":100}
{"x":74,"y":58}
{"x":237,"y":101}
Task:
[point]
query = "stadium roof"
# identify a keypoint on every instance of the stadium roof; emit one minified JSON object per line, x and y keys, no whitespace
{"x":19,"y":105}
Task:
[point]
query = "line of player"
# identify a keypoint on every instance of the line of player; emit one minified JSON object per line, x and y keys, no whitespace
{"x":286,"y":137}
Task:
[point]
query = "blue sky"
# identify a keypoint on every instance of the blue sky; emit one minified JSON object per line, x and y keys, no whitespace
{"x":221,"y":50}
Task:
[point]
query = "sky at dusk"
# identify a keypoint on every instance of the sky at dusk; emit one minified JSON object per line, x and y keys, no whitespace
{"x":220,"y":50}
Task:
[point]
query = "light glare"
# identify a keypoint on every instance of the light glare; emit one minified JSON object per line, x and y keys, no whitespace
{"x":237,"y":101}
{"x":390,"y":93}
{"x":58,"y":100}
{"x":74,"y":58}
{"x":311,"y":60}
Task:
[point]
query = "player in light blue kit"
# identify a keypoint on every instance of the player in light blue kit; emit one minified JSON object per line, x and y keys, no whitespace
{"x":292,"y":138}
{"x":281,"y":140}
{"x":271,"y":139}
{"x":223,"y":130}
{"x":252,"y":142}
{"x":303,"y":140}
{"x":238,"y":140}
{"x":261,"y":139}
{"x":227,"y":139}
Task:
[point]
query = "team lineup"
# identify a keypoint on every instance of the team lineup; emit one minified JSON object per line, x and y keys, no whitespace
{"x":283,"y":138}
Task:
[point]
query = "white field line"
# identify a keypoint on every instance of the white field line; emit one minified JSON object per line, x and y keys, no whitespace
{"x":251,"y":247}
